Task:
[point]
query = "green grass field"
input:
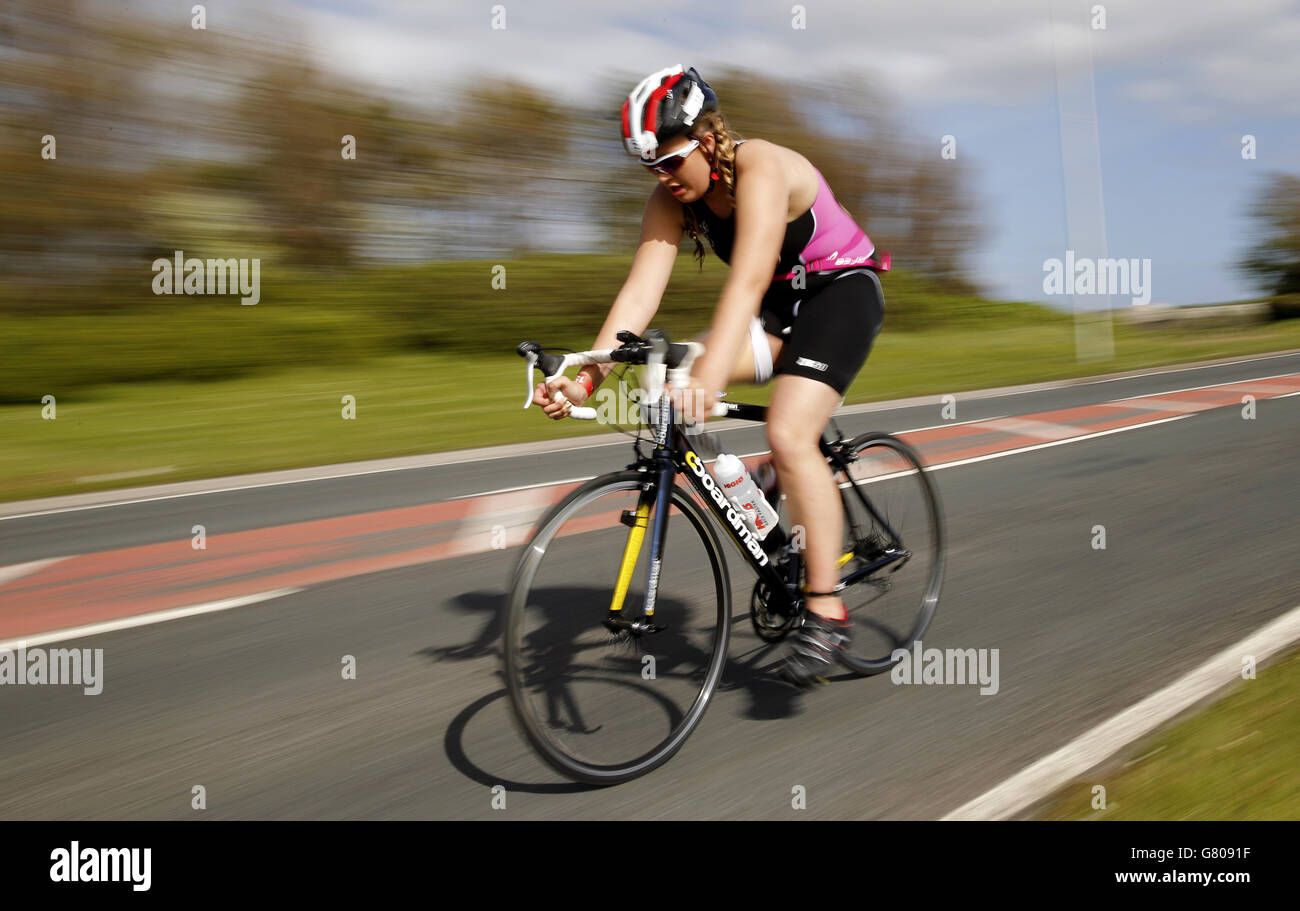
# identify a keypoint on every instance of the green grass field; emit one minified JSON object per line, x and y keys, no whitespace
{"x":409,"y":403}
{"x":1234,"y":760}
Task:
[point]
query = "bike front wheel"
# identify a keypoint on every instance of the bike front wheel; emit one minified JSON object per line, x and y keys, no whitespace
{"x":603,"y":706}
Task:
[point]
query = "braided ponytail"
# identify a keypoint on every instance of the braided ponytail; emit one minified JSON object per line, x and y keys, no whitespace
{"x":725,"y":167}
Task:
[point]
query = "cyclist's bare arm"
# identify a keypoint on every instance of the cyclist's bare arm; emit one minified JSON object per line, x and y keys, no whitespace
{"x":639,"y":298}
{"x":761,"y":202}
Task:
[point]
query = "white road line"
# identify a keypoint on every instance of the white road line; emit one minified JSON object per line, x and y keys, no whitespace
{"x":1269,"y":389}
{"x":200,"y":493}
{"x":1093,"y":747}
{"x":1129,"y":398}
{"x":923,"y":401}
{"x":176,"y":613}
{"x":411,"y":463}
{"x":1031,"y":448}
{"x":928,"y":466}
{"x":490,"y":493}
{"x":1174,"y":368}
{"x":935,"y":466}
{"x":18,"y":570}
{"x":1031,"y":388}
{"x":742,"y":455}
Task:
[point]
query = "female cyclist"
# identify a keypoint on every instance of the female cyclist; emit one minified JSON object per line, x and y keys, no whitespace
{"x":801,"y":301}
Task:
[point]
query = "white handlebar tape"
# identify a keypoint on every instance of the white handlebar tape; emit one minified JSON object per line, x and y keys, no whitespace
{"x":578,"y":413}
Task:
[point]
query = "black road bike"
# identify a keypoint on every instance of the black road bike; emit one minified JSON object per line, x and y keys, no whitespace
{"x":612,"y":655}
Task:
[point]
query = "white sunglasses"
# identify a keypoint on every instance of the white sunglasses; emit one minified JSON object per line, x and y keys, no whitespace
{"x":659,"y":166}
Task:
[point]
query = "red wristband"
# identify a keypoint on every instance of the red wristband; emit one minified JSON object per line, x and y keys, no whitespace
{"x":586,"y":382}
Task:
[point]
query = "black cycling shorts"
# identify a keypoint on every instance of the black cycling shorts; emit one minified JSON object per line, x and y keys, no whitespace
{"x":829,"y":329}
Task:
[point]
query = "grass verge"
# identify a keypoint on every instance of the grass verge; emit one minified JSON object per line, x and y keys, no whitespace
{"x":409,"y":403}
{"x":1235,"y":760}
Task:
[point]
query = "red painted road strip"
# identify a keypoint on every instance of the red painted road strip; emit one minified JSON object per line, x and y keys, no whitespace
{"x":98,"y":587}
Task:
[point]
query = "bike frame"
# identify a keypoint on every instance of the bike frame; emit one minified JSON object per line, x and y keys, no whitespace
{"x":673,"y":454}
{"x":678,"y":457}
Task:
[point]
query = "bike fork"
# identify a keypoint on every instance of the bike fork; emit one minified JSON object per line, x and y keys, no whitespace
{"x":657,"y":499}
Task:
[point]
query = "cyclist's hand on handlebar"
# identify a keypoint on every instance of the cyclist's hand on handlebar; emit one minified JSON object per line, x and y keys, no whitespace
{"x":696,"y":399}
{"x":544,"y":395}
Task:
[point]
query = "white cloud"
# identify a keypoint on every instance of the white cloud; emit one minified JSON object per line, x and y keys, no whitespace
{"x":1216,"y":58}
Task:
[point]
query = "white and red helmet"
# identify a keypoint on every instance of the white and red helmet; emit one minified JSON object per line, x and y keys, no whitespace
{"x":663,"y":105}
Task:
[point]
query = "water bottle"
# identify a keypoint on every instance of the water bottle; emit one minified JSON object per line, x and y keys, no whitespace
{"x":740,"y":488}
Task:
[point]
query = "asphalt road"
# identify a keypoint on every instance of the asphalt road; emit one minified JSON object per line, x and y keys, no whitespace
{"x":1202,"y":546}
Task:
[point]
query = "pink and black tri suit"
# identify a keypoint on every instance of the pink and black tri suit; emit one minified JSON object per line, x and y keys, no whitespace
{"x":827,"y":325}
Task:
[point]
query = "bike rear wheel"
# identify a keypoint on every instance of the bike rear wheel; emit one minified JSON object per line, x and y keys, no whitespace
{"x":891,"y":514}
{"x":601,"y":707}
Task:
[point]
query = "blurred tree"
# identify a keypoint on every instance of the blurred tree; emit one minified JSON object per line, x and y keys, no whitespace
{"x":507,"y":152}
{"x":228,"y":144}
{"x":295,"y":119}
{"x":614,"y":188}
{"x":1274,"y":259}
{"x":63,"y":74}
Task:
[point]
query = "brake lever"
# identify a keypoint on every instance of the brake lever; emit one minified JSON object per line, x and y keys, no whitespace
{"x":530,"y":361}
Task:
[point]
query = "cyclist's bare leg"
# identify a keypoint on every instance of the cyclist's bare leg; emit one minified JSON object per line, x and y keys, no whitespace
{"x":799,"y":412}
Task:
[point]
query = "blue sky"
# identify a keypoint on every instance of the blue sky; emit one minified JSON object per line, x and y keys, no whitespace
{"x":1177,"y":84}
{"x":1176,"y":193}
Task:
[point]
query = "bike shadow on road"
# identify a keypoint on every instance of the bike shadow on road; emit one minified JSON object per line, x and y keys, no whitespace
{"x":556,"y":657}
